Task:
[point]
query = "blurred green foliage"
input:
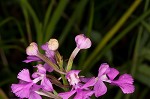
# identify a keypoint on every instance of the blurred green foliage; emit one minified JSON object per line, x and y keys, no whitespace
{"x":119,"y":29}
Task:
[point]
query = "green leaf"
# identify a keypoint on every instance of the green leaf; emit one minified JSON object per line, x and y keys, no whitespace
{"x":145,"y":53}
{"x":143,"y":74}
{"x":112,"y":43}
{"x":55,"y":18}
{"x":9,"y":19}
{"x":26,"y":6}
{"x":3,"y":95}
{"x":48,"y":13}
{"x":76,"y":14}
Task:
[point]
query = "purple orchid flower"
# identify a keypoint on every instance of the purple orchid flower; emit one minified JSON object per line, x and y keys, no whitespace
{"x":33,"y":57}
{"x":72,"y":77}
{"x":82,"y":90}
{"x":41,"y":74}
{"x":32,"y":51}
{"x":82,"y":42}
{"x":26,"y":88}
{"x":107,"y":74}
{"x":50,"y":54}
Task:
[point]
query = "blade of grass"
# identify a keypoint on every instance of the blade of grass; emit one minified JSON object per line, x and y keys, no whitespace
{"x":79,"y":9}
{"x":5,"y":21}
{"x":143,"y":76}
{"x":118,"y":37}
{"x":91,"y":18}
{"x":3,"y":56}
{"x":146,"y":25}
{"x":136,"y":49}
{"x":89,"y":30}
{"x":18,"y":25}
{"x":48,"y":13}
{"x":27,"y":24}
{"x":55,"y":18}
{"x":119,"y":95}
{"x":35,"y":20}
{"x":5,"y":47}
{"x":111,"y":33}
{"x":2,"y":94}
{"x":137,"y":45}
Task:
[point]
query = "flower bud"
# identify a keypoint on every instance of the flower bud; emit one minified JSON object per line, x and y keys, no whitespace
{"x":53,"y":44}
{"x":82,"y":42}
{"x":32,"y":49}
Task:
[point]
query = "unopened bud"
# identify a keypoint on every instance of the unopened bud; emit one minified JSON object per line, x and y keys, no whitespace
{"x":82,"y":42}
{"x":32,"y":49}
{"x":53,"y":44}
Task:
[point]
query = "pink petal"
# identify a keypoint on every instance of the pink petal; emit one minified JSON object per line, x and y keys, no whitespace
{"x":83,"y":79}
{"x":31,"y":59}
{"x":125,"y":82}
{"x":41,"y":69}
{"x":48,"y":68}
{"x":127,"y":88}
{"x":83,"y":94}
{"x":112,"y":73}
{"x":35,"y":75}
{"x":34,"y":95}
{"x":100,"y":88}
{"x":45,"y":46}
{"x":24,"y":75}
{"x":49,"y":53}
{"x":103,"y":69}
{"x":126,"y":78}
{"x":47,"y":85}
{"x":21,"y":90}
{"x":82,"y":42}
{"x":36,"y":87}
{"x":66,"y":95}
{"x":76,"y":72}
{"x":91,"y":82}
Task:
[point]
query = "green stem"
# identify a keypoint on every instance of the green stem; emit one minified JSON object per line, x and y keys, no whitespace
{"x":112,"y":32}
{"x":64,"y":81}
{"x":60,"y":63}
{"x":27,"y":24}
{"x":72,"y":56}
{"x":146,"y":25}
{"x":91,"y":18}
{"x":50,"y":63}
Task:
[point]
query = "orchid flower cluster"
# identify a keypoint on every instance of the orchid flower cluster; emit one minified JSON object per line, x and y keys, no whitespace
{"x":43,"y":83}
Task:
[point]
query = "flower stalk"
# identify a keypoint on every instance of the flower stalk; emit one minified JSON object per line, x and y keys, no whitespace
{"x":46,"y":59}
